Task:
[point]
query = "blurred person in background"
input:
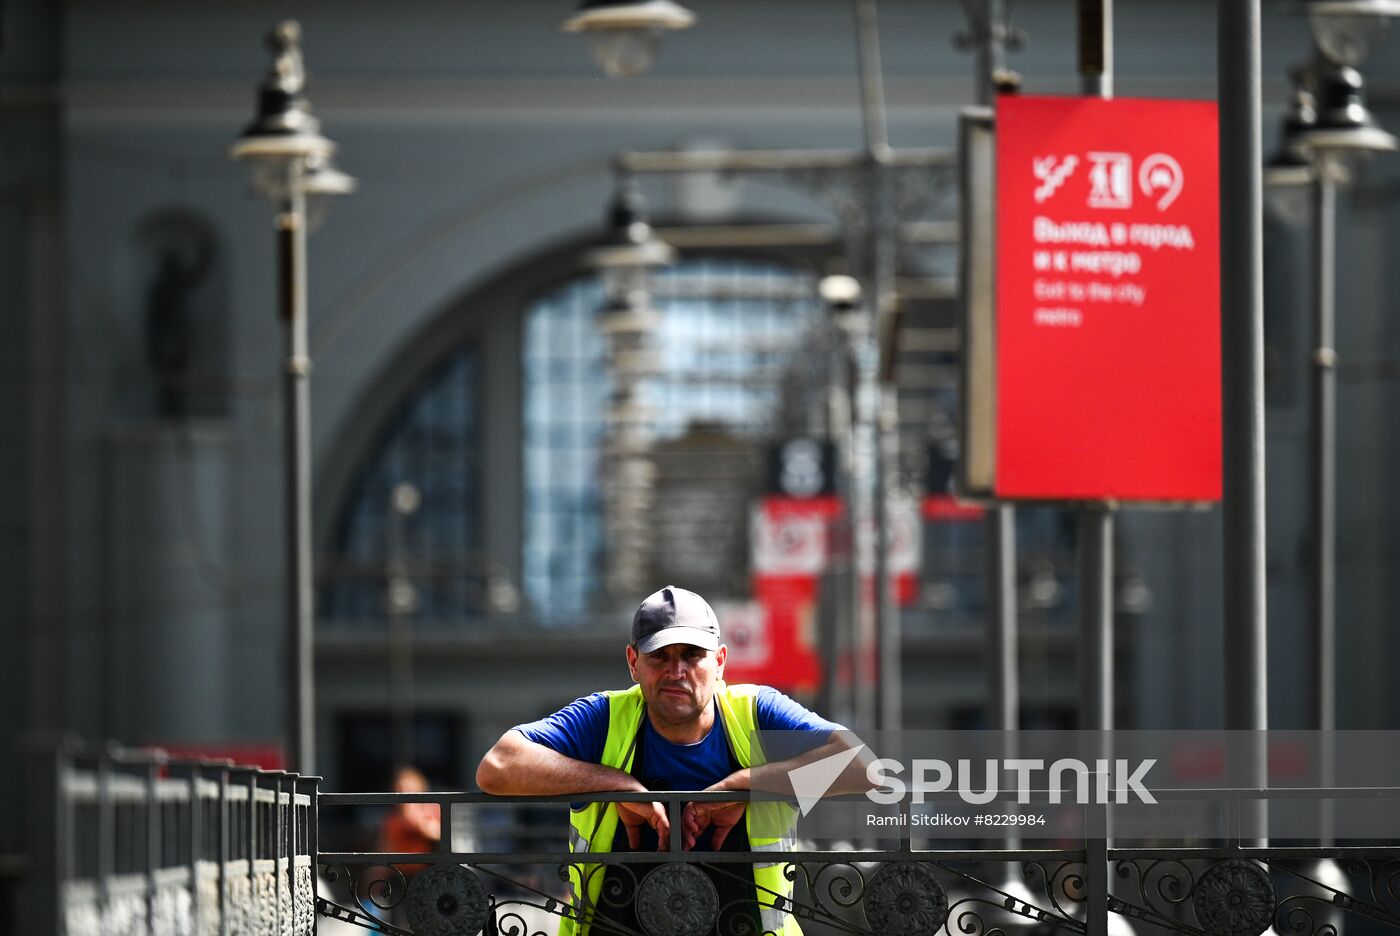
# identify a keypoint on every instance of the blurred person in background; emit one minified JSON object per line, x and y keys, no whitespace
{"x":410,"y":827}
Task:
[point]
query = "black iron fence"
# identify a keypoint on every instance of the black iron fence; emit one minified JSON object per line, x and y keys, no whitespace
{"x":144,"y":844}
{"x":505,"y":883}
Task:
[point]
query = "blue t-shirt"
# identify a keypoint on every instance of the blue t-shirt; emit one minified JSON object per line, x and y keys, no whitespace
{"x":580,"y":729}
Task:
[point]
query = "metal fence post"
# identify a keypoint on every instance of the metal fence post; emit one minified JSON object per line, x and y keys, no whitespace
{"x":280,"y":844}
{"x":190,"y":772}
{"x":308,"y":787}
{"x":1096,"y":864}
{"x":251,"y":844}
{"x":106,"y":827}
{"x":154,"y":844}
{"x":222,"y":855}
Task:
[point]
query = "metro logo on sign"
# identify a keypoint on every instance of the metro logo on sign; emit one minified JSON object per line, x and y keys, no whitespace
{"x":1107,"y":283}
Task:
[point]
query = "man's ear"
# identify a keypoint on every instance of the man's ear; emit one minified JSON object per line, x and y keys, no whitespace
{"x":721,"y":655}
{"x":632,"y":662}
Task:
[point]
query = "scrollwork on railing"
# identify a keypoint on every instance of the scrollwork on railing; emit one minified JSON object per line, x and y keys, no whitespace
{"x":968,"y":921}
{"x":1235,"y":896}
{"x":1302,"y":914}
{"x":1161,"y":880}
{"x":374,"y":889}
{"x":1067,"y":881}
{"x":1295,"y":917}
{"x":1384,"y":878}
{"x":334,"y":911}
{"x":840,"y":883}
{"x":511,"y":922}
{"x":1238,"y":896}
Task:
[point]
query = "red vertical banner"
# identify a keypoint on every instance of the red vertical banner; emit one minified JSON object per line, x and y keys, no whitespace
{"x":790,"y":549}
{"x":774,"y":639}
{"x":1107,"y":300}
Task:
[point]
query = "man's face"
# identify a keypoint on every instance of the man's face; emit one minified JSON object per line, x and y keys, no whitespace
{"x":677,"y":681}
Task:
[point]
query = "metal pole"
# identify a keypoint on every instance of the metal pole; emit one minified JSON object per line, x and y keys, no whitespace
{"x":872,"y":89}
{"x":300,"y":713}
{"x":1095,"y":579}
{"x":862,"y":512}
{"x":881,"y":231}
{"x":1096,"y":618}
{"x":1002,"y":662}
{"x":991,"y":34}
{"x":1003,"y":684}
{"x":1095,"y":539}
{"x":1096,"y":47}
{"x":1322,"y":504}
{"x":891,"y":688}
{"x":401,"y":600}
{"x":1323,"y":431}
{"x":1242,"y":346}
{"x":1095,"y":587}
{"x":841,"y":402}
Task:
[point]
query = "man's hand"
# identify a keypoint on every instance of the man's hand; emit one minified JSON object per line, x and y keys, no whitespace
{"x":634,"y":816}
{"x":698,"y":817}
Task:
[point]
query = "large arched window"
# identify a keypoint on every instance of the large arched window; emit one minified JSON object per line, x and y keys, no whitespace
{"x":727,"y":334}
{"x":431,"y":441}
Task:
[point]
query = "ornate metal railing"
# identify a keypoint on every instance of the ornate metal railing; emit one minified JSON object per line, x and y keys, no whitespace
{"x":142,"y":843}
{"x":1232,"y":888}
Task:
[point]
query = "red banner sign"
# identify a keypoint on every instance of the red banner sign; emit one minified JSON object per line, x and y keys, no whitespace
{"x":1108,"y":300}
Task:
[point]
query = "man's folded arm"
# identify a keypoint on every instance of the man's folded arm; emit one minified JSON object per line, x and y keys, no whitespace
{"x":776,"y":777}
{"x":517,"y":766}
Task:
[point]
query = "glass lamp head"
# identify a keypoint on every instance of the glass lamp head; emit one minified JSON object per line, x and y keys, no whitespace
{"x":1347,"y":30}
{"x":625,"y":35}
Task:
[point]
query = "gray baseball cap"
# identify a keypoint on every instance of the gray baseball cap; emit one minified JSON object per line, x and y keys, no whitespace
{"x":674,"y":616}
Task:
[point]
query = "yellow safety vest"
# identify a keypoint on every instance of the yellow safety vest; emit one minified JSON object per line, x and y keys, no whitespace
{"x":593,"y":826}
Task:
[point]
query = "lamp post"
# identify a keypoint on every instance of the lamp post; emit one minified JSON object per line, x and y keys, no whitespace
{"x":290,"y":160}
{"x":628,"y":324}
{"x":1329,"y":127}
{"x":842,"y":297}
{"x":400,"y":604}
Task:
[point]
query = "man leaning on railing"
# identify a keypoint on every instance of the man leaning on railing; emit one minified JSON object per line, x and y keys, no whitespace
{"x":681,"y":727}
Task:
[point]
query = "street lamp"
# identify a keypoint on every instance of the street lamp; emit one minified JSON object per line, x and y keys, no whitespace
{"x":1340,"y":129}
{"x":290,"y":161}
{"x":854,"y":386}
{"x":1346,"y":30}
{"x":628,"y":323}
{"x":630,"y":247}
{"x":625,"y":35}
{"x":1290,"y":169}
{"x":324,"y":181}
{"x":1337,"y":130}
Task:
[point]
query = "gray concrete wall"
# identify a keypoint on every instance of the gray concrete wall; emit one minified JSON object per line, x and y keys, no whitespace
{"x":32,"y":509}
